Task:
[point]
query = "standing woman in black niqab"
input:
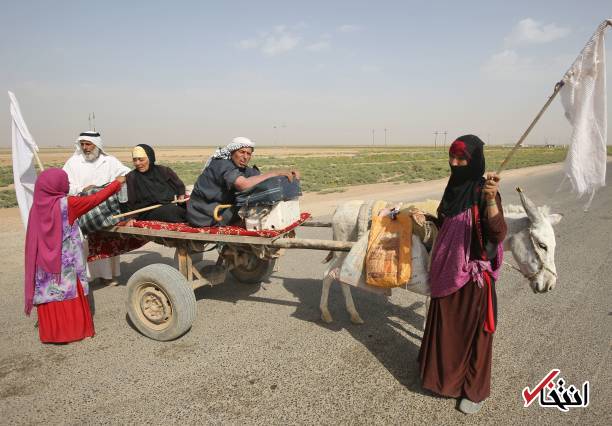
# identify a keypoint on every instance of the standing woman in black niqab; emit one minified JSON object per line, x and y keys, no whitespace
{"x":149,"y":184}
{"x":457,"y":347}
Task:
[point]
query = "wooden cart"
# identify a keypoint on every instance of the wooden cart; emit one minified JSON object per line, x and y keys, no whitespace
{"x":161,"y":302}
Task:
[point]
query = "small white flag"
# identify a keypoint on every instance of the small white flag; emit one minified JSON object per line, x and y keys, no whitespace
{"x":583,"y":96}
{"x":24,"y":172}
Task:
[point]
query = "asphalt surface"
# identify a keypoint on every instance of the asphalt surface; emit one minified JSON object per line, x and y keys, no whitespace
{"x":260,"y":354}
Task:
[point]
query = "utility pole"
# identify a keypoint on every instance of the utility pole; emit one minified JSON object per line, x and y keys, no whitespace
{"x":372,"y":137}
{"x":385,"y":137}
{"x":444,"y":146}
{"x":436,"y":139}
{"x":92,"y":118}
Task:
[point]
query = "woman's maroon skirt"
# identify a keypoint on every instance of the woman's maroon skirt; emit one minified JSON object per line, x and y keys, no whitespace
{"x":65,"y":321}
{"x":456,"y":352}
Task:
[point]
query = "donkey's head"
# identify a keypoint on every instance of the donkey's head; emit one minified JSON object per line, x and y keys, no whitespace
{"x":533,"y":246}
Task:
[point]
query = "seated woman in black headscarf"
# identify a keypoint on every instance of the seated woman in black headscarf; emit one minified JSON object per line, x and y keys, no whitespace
{"x":149,"y":184}
{"x":225,"y":173}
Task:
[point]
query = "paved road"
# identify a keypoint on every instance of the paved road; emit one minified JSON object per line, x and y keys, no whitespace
{"x":261,"y":354}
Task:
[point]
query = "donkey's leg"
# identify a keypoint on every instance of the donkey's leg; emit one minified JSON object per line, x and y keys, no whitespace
{"x":350,"y":305}
{"x":325,"y":315}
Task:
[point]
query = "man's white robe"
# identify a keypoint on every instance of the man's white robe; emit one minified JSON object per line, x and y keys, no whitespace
{"x":81,"y":174}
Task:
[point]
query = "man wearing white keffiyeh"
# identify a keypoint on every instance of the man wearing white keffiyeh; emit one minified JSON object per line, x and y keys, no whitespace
{"x":225,"y":173}
{"x":92,"y":166}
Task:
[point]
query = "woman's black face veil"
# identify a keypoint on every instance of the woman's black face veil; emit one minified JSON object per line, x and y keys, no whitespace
{"x":462,"y":189}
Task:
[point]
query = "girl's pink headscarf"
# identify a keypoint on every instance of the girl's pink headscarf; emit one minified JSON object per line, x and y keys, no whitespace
{"x":43,"y":246}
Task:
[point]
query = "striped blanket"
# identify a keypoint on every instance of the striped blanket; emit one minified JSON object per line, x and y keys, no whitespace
{"x":101,"y":216}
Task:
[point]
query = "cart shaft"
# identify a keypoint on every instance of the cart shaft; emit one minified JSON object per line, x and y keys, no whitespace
{"x":312,"y":244}
{"x":279,"y":242}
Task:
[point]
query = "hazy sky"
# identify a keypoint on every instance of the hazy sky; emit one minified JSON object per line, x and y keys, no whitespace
{"x":321,"y":72}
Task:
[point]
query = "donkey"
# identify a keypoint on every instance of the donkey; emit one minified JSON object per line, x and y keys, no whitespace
{"x":530,"y":238}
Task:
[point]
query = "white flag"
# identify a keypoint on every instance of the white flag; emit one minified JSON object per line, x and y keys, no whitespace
{"x":584,"y":99}
{"x":24,"y":172}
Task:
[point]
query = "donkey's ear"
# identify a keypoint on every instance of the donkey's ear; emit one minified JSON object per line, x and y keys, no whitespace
{"x":554,"y":218}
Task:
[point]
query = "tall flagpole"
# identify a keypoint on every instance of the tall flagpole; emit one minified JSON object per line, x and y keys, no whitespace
{"x":558,"y":87}
{"x":40,"y":164}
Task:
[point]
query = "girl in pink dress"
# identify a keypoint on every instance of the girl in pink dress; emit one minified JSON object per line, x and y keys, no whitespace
{"x":55,"y":273}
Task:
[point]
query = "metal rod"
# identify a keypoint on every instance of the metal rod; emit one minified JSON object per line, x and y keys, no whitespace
{"x":558,"y":87}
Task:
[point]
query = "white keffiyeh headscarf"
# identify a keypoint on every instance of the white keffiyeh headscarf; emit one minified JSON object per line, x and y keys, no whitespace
{"x":90,"y":136}
{"x":226,"y":152}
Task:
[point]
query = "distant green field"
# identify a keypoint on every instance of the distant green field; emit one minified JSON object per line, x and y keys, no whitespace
{"x":334,"y":173}
{"x":391,"y":165}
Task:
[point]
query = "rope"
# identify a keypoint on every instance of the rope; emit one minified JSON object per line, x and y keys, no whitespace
{"x":513,"y":267}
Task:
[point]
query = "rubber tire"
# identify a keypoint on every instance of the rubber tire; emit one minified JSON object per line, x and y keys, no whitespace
{"x":261,"y":272}
{"x":179,"y":294}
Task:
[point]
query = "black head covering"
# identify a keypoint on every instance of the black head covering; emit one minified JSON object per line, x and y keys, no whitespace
{"x":150,"y":187}
{"x":465,"y":183}
{"x":149,"y":151}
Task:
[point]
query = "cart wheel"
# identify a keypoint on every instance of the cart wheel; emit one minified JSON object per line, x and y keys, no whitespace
{"x":256,"y":271}
{"x":160,"y":303}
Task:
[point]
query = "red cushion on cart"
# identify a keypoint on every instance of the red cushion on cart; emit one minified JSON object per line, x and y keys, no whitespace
{"x":223,"y":230}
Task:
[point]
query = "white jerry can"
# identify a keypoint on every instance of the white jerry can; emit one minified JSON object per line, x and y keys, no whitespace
{"x":278,"y":216}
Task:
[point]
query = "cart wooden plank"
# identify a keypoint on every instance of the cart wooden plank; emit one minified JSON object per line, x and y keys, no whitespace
{"x":277,"y":241}
{"x":193,"y":236}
